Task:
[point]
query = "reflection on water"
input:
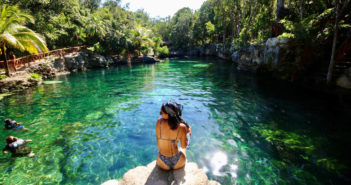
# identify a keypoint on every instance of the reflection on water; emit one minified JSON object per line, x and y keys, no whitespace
{"x":93,"y":126}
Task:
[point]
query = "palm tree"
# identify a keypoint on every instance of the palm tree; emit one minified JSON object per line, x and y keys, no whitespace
{"x":157,"y":44}
{"x":141,"y":39}
{"x":13,"y":34}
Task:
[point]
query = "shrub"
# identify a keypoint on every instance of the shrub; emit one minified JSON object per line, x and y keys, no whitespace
{"x":35,"y":76}
{"x":163,"y":52}
{"x":2,"y":76}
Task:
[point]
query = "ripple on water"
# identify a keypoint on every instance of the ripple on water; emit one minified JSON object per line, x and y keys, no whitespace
{"x":94,"y":126}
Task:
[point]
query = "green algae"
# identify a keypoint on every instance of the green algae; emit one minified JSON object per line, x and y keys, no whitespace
{"x":294,"y":147}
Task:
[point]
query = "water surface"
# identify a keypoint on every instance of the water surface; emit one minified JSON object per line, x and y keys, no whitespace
{"x":96,"y":125}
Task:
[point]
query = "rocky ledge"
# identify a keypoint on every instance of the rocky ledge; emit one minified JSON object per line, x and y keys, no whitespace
{"x":50,"y":67}
{"x":153,"y":175}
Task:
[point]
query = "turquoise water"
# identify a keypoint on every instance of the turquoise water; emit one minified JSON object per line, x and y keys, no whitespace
{"x":94,"y":126}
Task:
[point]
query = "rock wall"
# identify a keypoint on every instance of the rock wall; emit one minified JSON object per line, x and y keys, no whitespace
{"x":153,"y":175}
{"x":53,"y":66}
{"x":213,"y":50}
{"x":269,"y":54}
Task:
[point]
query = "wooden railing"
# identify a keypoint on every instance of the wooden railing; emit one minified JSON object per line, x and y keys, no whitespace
{"x":18,"y":62}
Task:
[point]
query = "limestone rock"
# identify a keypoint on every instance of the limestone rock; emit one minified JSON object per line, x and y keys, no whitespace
{"x":59,"y":64}
{"x":75,"y":63}
{"x":97,"y":61}
{"x":46,"y":70}
{"x":153,"y":175}
{"x":110,"y":182}
{"x":148,"y":60}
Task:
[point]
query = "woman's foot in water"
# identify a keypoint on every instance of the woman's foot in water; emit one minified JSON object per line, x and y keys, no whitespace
{"x":24,"y":129}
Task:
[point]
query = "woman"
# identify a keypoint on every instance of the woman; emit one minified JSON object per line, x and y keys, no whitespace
{"x":170,"y":129}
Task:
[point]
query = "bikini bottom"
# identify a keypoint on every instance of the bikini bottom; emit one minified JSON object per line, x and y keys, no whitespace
{"x":170,"y":161}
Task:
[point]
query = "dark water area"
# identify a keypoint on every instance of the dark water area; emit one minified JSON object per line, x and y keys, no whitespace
{"x":94,"y":126}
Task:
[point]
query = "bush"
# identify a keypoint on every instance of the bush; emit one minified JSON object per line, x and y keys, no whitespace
{"x":97,"y":48}
{"x":2,"y":76}
{"x":35,"y":76}
{"x":163,"y":51}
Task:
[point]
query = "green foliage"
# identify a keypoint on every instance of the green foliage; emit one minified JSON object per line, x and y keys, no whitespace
{"x":286,"y":35}
{"x":14,"y":34}
{"x":35,"y":77}
{"x":210,"y":28}
{"x":163,"y":52}
{"x":182,"y":27}
{"x":98,"y":48}
{"x":2,"y":76}
{"x":157,"y":41}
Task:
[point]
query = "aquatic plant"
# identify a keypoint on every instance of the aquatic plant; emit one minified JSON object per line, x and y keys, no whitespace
{"x":331,"y":164}
{"x":296,"y":148}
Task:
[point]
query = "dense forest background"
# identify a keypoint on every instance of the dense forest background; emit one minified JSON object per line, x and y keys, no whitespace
{"x":323,"y":26}
{"x":233,"y":23}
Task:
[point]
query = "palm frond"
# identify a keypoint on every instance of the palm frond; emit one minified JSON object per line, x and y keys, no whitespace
{"x":29,"y":46}
{"x":33,"y":38}
{"x":11,"y":41}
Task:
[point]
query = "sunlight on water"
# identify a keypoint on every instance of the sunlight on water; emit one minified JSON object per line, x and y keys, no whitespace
{"x":94,"y":126}
{"x":217,"y":161}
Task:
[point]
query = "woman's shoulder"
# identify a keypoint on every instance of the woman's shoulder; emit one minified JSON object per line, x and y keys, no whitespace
{"x":182,"y":125}
{"x":159,"y":121}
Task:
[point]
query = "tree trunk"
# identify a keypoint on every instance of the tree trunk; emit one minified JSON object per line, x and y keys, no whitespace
{"x":332,"y":61}
{"x":7,"y":70}
{"x":301,"y":9}
{"x":249,"y":23}
{"x":280,"y":9}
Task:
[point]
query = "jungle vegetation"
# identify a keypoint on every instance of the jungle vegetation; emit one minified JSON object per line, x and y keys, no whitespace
{"x":107,"y":27}
{"x":110,"y":28}
{"x":238,"y":23}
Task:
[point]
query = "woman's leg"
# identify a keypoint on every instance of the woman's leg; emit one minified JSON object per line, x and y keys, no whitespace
{"x":161,"y":164}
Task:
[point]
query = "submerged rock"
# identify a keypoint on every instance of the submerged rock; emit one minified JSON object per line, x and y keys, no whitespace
{"x":153,"y":175}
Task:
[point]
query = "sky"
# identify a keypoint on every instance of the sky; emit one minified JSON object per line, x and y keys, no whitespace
{"x":162,"y":8}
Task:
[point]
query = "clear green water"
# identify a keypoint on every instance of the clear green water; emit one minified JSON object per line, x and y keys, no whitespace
{"x":96,"y":125}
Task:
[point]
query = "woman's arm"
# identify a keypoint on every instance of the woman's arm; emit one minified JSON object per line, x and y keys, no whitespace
{"x":183,"y":138}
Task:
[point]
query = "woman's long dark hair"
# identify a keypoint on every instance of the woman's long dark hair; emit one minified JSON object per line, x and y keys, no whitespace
{"x":174,"y":111}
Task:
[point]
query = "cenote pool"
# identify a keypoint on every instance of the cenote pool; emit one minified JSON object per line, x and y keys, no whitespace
{"x":96,"y":125}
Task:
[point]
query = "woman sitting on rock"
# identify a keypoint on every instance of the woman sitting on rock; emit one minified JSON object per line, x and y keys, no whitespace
{"x":170,"y":129}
